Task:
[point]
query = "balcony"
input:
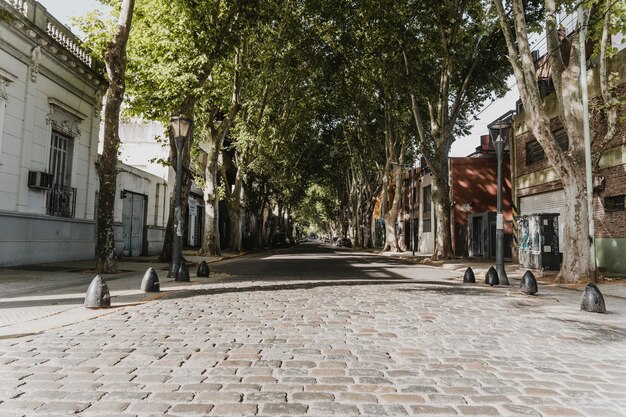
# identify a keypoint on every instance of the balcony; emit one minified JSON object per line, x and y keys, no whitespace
{"x":60,"y":38}
{"x":61,"y":201}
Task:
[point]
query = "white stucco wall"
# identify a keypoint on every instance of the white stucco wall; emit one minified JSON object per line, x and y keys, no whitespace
{"x":44,"y":86}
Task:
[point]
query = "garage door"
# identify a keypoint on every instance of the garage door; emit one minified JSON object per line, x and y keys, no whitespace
{"x":550,"y":202}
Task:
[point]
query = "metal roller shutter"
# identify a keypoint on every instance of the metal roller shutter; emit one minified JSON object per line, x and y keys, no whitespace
{"x":550,"y":202}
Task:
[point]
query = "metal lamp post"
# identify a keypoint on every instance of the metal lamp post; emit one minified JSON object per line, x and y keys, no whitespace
{"x":412,"y":205}
{"x":181,"y":127}
{"x":502,"y":127}
{"x":499,"y":144}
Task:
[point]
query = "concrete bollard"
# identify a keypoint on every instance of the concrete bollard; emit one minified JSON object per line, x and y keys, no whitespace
{"x":98,"y":295}
{"x":150,"y":281}
{"x":468,"y":277}
{"x":183,"y":273}
{"x":592,"y":300}
{"x":203,"y":270}
{"x":491,"y":277}
{"x":528,"y":284}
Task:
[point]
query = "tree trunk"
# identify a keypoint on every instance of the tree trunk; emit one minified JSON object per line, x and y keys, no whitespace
{"x":236,"y":219}
{"x":569,"y":165}
{"x":441,"y":204}
{"x":211,"y":241}
{"x":115,"y":60}
{"x":391,"y":216}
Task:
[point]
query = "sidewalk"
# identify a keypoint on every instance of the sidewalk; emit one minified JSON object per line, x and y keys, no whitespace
{"x":611,"y":287}
{"x":34,"y":298}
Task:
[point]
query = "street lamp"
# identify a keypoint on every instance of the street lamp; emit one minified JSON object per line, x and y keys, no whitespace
{"x":181,"y":127}
{"x":500,"y":125}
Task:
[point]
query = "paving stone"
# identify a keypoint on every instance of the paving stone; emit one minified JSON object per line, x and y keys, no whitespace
{"x":401,"y":398}
{"x":334,"y":409}
{"x":18,"y":404}
{"x":284,"y":409}
{"x":218,"y":397}
{"x":433,"y":410}
{"x":191,"y":409}
{"x":265,"y":397}
{"x":63,"y":407}
{"x":111,"y":407}
{"x":240,"y":410}
{"x":478,"y":410}
{"x":148,"y":407}
{"x":559,"y":411}
{"x":126,"y":395}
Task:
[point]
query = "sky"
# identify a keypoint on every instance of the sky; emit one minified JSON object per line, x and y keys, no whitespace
{"x":63,"y":10}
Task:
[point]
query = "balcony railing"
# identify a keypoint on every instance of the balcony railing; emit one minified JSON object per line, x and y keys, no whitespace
{"x":40,"y":17}
{"x":61,"y":201}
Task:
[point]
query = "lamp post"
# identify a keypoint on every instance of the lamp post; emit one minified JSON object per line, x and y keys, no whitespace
{"x":503,"y":279}
{"x":412,"y":205}
{"x":181,"y":127}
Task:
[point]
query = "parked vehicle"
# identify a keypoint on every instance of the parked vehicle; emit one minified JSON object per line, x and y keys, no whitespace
{"x":344,"y":242}
{"x":279,"y":240}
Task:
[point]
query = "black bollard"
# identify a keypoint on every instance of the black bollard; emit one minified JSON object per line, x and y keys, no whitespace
{"x":98,"y":295}
{"x":528,"y":284}
{"x":183,"y":273}
{"x":468,"y":277}
{"x":150,"y":281}
{"x":203,"y":270}
{"x":491,"y":277}
{"x":592,"y":300}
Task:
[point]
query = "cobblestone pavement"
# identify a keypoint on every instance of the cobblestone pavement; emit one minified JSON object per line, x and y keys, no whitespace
{"x":377,"y":346}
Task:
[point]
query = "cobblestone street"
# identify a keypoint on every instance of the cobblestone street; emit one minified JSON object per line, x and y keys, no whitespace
{"x":390,"y":340}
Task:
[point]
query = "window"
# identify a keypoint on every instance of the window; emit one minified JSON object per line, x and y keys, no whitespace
{"x":614,"y":203}
{"x":427,"y":200}
{"x":62,"y":197}
{"x":534,"y":151}
{"x":427,"y":210}
{"x":61,"y":159}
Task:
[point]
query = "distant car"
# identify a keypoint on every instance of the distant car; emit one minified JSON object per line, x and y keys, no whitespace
{"x":279,"y":240}
{"x":344,"y":242}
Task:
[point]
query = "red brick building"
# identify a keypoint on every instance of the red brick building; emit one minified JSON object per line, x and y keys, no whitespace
{"x":473,"y":189}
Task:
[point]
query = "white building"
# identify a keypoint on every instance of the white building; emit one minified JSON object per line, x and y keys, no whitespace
{"x":49,"y":116}
{"x":50,"y":105}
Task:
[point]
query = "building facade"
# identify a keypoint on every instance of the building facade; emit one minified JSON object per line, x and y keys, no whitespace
{"x":537,"y":187}
{"x":50,"y":95}
{"x":50,"y":105}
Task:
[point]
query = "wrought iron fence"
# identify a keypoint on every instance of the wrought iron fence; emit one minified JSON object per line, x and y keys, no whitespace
{"x":61,"y":201}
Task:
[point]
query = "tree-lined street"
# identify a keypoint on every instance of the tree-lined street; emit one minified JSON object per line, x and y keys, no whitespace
{"x":317,"y":331}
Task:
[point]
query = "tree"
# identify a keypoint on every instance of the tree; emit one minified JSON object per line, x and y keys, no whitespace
{"x":456,"y":47}
{"x":115,"y":61}
{"x":565,"y":73}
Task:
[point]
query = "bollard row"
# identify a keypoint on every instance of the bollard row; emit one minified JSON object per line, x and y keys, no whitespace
{"x":592,"y":299}
{"x":99,"y":296}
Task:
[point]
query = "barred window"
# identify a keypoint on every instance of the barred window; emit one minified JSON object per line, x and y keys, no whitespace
{"x":60,"y":166}
{"x":534,"y":151}
{"x":427,"y":210}
{"x":61,"y":199}
{"x":614,"y":203}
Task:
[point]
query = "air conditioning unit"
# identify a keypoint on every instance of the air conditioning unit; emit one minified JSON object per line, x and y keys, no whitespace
{"x":40,"y":180}
{"x":598,"y":182}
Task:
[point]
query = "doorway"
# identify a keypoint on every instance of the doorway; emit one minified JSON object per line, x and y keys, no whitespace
{"x":133,"y":222}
